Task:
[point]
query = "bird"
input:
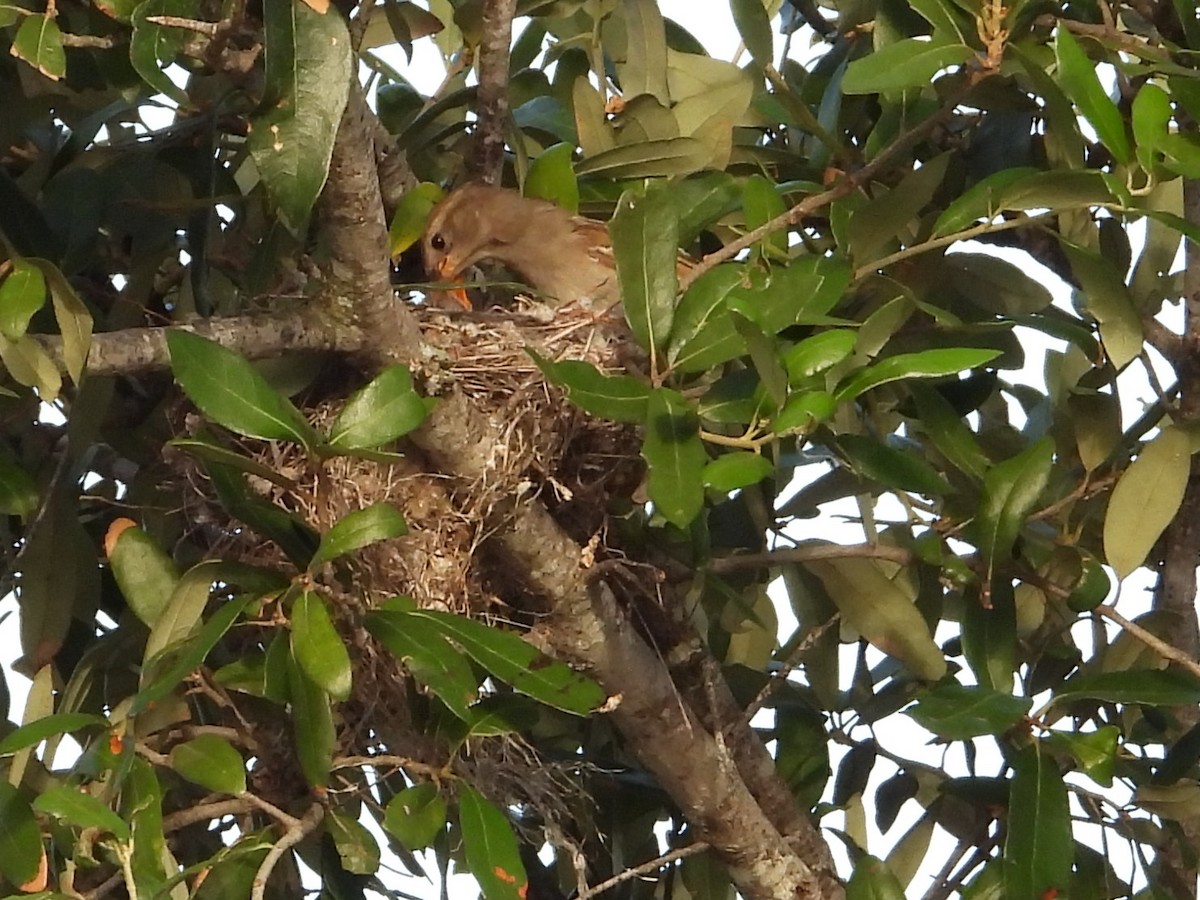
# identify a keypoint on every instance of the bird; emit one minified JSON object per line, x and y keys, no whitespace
{"x":564,"y":258}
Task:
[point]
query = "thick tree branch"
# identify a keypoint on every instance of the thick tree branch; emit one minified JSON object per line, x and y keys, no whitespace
{"x":491,"y":107}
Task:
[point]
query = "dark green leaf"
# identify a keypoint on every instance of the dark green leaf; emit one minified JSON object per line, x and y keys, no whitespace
{"x":318,"y":648}
{"x":47,"y":726}
{"x":989,"y":634}
{"x":144,"y":573}
{"x":1010,"y":491}
{"x":490,"y":847}
{"x":621,"y":398}
{"x":731,"y":471}
{"x":702,"y":334}
{"x":908,"y":63}
{"x":416,"y":816}
{"x":675,"y":456}
{"x":750,"y":17}
{"x":312,"y":722}
{"x":803,"y":411}
{"x":211,"y":762}
{"x":1038,"y":847}
{"x":898,"y":468}
{"x":1095,"y":751}
{"x":1077,"y":75}
{"x":873,"y":880}
{"x":948,"y":432}
{"x":1106,"y":297}
{"x":645,"y":237}
{"x":18,"y":493}
{"x":925,"y":364}
{"x":1151,"y":687}
{"x":429,"y":656}
{"x":184,"y":609}
{"x":356,"y":846}
{"x":77,"y":807}
{"x":361,"y":528}
{"x":815,"y":354}
{"x":153,"y":47}
{"x":231,"y":392}
{"x":20,"y":840}
{"x":957,"y":713}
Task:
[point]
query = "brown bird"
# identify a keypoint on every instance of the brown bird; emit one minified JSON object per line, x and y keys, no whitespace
{"x":564,"y":257}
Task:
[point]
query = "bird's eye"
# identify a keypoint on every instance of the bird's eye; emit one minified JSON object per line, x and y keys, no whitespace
{"x":437,"y":242}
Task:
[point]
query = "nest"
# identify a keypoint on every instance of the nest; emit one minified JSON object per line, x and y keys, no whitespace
{"x":573,"y":463}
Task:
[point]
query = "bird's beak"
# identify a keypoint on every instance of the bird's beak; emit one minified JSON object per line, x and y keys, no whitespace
{"x":447,"y":270}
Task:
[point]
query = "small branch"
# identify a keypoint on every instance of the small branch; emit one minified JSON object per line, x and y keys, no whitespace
{"x":809,"y":552}
{"x":205,"y":812}
{"x":1163,"y":339}
{"x":789,"y":665}
{"x":651,"y":866}
{"x":435,"y":773}
{"x":99,"y":42}
{"x":291,"y":838}
{"x":843,"y":188}
{"x":491,"y":107}
{"x":1157,"y":644}
{"x":208,"y":29}
{"x":1105,"y":34}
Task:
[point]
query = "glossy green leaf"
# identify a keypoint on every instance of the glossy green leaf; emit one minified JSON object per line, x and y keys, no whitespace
{"x":145,"y":574}
{"x":761,"y":203}
{"x":989,"y":634}
{"x":894,"y":467}
{"x":702,"y":334}
{"x":731,"y":471}
{"x":1038,"y":847}
{"x":1077,"y":75}
{"x":1153,"y":687}
{"x":292,"y":141}
{"x":20,"y":839}
{"x":803,"y":411}
{"x":876,"y":601}
{"x":984,"y":200}
{"x":552,"y":177}
{"x":416,"y":816}
{"x":356,"y":846}
{"x":318,"y":648}
{"x":645,"y":238}
{"x":621,"y":398}
{"x":490,"y":847}
{"x":429,"y":656}
{"x":955,"y":712}
{"x":925,"y":364}
{"x":39,"y":42}
{"x":676,"y":457}
{"x":76,"y":807}
{"x":1010,"y":492}
{"x":948,"y":432}
{"x":386,"y":409}
{"x":231,"y":392}
{"x":22,"y":293}
{"x":412,"y":212}
{"x":48,"y":726}
{"x":378,"y":522}
{"x":312,"y":722}
{"x":815,"y":354}
{"x":1105,"y":296}
{"x":703,"y":199}
{"x":211,"y":762}
{"x":518,"y":663}
{"x":1146,"y":499}
{"x":908,"y":63}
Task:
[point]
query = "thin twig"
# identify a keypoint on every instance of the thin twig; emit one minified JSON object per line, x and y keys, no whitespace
{"x":647,"y":867}
{"x":200,"y":26}
{"x":291,"y":838}
{"x":778,"y":679}
{"x":809,"y":552}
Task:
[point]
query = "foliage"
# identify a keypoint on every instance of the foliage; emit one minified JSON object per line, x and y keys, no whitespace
{"x":160,"y":160}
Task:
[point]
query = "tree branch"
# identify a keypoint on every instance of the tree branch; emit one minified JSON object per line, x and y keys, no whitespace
{"x":491,"y":107}
{"x":809,"y":551}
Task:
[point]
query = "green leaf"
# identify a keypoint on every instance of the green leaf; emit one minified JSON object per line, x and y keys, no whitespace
{"x":702,"y":334}
{"x":803,"y":411}
{"x":873,"y":880}
{"x":551,"y":177}
{"x":429,"y":656}
{"x":416,"y":816}
{"x":989,"y":634}
{"x":318,"y":648}
{"x":211,"y":762}
{"x":1145,"y":500}
{"x":897,"y":468}
{"x":925,"y":364}
{"x":621,"y":398}
{"x":153,"y":48}
{"x":356,"y":846}
{"x":753,"y":24}
{"x":1153,"y":687}
{"x":1105,"y":296}
{"x":731,"y":471}
{"x":908,"y":63}
{"x":77,"y":807}
{"x":183,"y":610}
{"x":47,"y":726}
{"x":18,"y":492}
{"x":644,"y":70}
{"x":957,"y":713}
{"x":519,"y":664}
{"x":72,"y":316}
{"x":378,"y":522}
{"x":1010,"y":491}
{"x":29,"y":363}
{"x":1095,"y":751}
{"x":145,"y":574}
{"x":312,"y":722}
{"x":645,"y":238}
{"x":884,"y":218}
{"x":39,"y":42}
{"x":815,"y":354}
{"x":983,"y":200}
{"x":386,"y":409}
{"x":1078,"y":78}
{"x":1151,"y":119}
{"x":874,"y":599}
{"x":22,"y":293}
{"x":676,"y":457}
{"x":408,"y":222}
{"x":995,"y":284}
{"x":231,"y":392}
{"x":702,"y":199}
{"x":490,"y":847}
{"x":292,"y":142}
{"x":948,"y":432}
{"x":647,"y":159}
{"x":1038,"y":849}
{"x":761,"y":203}
{"x":20,"y":839}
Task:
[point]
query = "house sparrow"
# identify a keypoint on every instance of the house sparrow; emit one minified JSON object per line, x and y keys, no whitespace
{"x":565,"y":258}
